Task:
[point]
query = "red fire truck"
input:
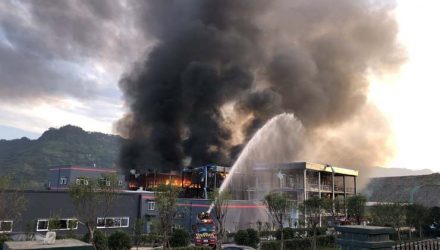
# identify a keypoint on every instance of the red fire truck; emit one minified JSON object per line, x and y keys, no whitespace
{"x":204,"y":231}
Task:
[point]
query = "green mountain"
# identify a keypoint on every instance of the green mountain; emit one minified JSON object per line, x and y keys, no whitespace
{"x":27,"y":161}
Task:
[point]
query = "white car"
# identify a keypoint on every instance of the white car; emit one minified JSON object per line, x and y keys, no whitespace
{"x":236,"y":247}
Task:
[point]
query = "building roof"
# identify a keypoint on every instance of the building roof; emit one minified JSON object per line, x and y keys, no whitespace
{"x":307,"y":165}
{"x":420,"y":189}
{"x":85,"y":169}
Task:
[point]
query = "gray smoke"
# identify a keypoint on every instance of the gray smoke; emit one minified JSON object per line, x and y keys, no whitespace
{"x":221,"y":69}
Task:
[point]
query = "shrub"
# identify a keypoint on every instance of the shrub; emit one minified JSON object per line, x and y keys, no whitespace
{"x":267,"y":234}
{"x":119,"y":240}
{"x":327,"y":240}
{"x":180,"y":238}
{"x":3,"y":238}
{"x":298,"y":243}
{"x":248,"y":237}
{"x":241,"y":237}
{"x":291,"y":233}
{"x":253,"y":238}
{"x":151,"y":239}
{"x":270,"y":245}
{"x":192,"y":248}
{"x":99,"y":240}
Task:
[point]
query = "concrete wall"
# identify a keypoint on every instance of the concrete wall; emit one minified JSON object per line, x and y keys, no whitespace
{"x":71,"y":173}
{"x":49,"y":204}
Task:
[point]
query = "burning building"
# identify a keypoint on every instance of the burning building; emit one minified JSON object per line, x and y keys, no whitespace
{"x":195,"y":182}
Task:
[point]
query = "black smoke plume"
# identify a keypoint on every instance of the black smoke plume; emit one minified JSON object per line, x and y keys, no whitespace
{"x":221,"y":69}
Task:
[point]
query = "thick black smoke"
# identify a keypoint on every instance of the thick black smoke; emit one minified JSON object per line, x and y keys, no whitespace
{"x":221,"y":69}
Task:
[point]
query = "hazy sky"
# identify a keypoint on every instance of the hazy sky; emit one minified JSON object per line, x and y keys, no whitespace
{"x":60,"y":62}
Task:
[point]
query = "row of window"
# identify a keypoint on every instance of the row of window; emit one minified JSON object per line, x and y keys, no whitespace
{"x":85,"y":181}
{"x":112,"y":222}
{"x":6,"y":226}
{"x":61,"y":224}
{"x":69,"y":224}
{"x":72,"y":223}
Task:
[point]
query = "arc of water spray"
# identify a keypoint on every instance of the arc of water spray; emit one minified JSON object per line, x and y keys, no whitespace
{"x":250,"y":147}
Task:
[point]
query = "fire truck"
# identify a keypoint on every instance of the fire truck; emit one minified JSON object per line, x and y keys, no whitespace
{"x":204,"y":231}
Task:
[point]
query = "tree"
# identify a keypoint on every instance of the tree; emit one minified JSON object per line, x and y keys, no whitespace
{"x":166,"y":203}
{"x":392,"y":214}
{"x":259,"y":226}
{"x":432,"y":221}
{"x":220,"y":202}
{"x":313,"y":208}
{"x":415,"y":217}
{"x":99,"y":240}
{"x":336,"y":208}
{"x":94,"y":197}
{"x":356,"y":207}
{"x":12,"y":201}
{"x":278,"y":206}
{"x":137,"y":232}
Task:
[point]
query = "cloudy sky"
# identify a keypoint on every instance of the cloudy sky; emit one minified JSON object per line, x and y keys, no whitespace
{"x":60,"y":63}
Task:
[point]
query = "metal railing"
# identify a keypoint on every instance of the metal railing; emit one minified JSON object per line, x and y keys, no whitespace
{"x":430,"y":244}
{"x":315,"y":187}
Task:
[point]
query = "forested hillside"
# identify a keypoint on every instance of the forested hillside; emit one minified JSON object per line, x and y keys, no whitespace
{"x":27,"y":161}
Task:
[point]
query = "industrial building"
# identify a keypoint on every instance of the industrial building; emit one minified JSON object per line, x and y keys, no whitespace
{"x":303,"y":180}
{"x":61,"y":177}
{"x":300,"y":180}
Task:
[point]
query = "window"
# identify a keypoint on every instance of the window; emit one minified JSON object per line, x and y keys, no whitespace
{"x":104,"y":182}
{"x":63,"y":181}
{"x":120,"y":183}
{"x":151,"y":205}
{"x":63,"y":224}
{"x":42,"y":225}
{"x":82,"y":181}
{"x":6,"y":226}
{"x":112,"y":222}
{"x":124,"y":222}
{"x":100,"y":223}
{"x":179,"y":215}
